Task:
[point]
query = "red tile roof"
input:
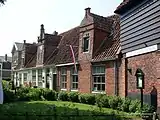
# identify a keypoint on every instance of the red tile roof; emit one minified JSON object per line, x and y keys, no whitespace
{"x":107,"y":50}
{"x":111,"y":44}
{"x":63,"y":53}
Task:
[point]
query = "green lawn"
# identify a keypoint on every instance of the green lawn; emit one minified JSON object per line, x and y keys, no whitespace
{"x":57,"y":110}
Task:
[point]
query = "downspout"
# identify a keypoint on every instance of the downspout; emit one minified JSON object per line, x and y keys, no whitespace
{"x":116,"y":77}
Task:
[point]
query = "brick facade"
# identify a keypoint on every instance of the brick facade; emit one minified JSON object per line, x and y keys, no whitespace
{"x":149,"y":63}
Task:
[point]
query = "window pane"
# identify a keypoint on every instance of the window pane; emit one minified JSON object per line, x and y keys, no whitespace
{"x":98,"y":78}
{"x":103,"y":87}
{"x":86,"y":44}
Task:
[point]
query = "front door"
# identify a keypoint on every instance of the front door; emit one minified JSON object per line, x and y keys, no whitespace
{"x":54,"y":81}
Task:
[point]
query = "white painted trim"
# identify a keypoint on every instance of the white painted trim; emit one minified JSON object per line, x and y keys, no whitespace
{"x":65,"y":64}
{"x":99,"y":92}
{"x":74,"y":90}
{"x":64,"y":89}
{"x":142,"y":51}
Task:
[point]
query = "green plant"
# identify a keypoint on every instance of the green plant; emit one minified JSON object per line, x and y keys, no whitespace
{"x":63,"y":96}
{"x":115,"y":102}
{"x":102,"y":100}
{"x":49,"y":94}
{"x":125,"y":104}
{"x":134,"y":106}
{"x":87,"y":98}
{"x":73,"y":96}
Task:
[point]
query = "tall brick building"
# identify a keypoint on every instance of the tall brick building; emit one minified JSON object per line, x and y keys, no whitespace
{"x":48,"y":63}
{"x":140,"y":46}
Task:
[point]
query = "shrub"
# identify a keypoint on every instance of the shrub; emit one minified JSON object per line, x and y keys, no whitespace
{"x":125,"y":105}
{"x":63,"y":96}
{"x":87,"y":98}
{"x":102,"y":101}
{"x":134,"y":106}
{"x":115,"y":102}
{"x":6,"y":85}
{"x":49,"y":94}
{"x":73,"y":96}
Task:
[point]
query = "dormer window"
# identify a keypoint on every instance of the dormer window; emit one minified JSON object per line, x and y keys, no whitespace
{"x":86,"y":43}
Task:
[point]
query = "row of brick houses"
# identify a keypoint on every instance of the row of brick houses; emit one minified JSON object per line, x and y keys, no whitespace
{"x":108,"y":52}
{"x":49,"y":63}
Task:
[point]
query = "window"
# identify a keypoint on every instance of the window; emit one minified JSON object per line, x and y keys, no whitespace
{"x":86,"y":43}
{"x":40,"y":78}
{"x":98,"y":78}
{"x":25,"y":77}
{"x":63,"y":78}
{"x":74,"y":79}
{"x":34,"y":77}
{"x":20,"y":79}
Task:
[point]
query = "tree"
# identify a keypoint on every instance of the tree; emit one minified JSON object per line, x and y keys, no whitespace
{"x":2,"y":1}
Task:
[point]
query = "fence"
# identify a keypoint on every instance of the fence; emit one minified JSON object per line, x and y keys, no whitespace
{"x":29,"y":116}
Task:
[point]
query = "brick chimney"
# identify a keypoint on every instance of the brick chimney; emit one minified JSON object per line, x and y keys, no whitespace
{"x":88,"y":10}
{"x":55,"y":33}
{"x":5,"y":57}
{"x":24,"y":41}
{"x":42,"y":31}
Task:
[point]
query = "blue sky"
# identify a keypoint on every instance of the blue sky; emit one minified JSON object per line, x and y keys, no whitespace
{"x":20,"y":19}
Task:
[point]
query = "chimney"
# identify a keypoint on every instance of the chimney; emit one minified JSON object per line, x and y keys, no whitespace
{"x":87,"y":11}
{"x":24,"y":41}
{"x":5,"y":57}
{"x":55,"y":33}
{"x":42,"y":32}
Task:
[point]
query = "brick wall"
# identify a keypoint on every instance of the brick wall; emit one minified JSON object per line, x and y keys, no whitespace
{"x":110,"y":78}
{"x":149,"y":63}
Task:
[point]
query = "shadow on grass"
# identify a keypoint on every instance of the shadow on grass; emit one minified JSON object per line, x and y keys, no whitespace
{"x":50,"y":111}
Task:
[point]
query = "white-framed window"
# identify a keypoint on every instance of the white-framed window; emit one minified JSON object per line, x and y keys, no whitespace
{"x":39,"y":77}
{"x":98,"y":78}
{"x":34,"y":77}
{"x":74,"y":79}
{"x":25,"y":77}
{"x":86,"y":43}
{"x":63,"y":78}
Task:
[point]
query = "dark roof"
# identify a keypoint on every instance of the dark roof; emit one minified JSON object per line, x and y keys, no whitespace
{"x":101,"y":22}
{"x":126,"y":5}
{"x":2,"y":59}
{"x":32,"y":61}
{"x":62,"y":54}
{"x":111,"y":44}
{"x":19,"y":46}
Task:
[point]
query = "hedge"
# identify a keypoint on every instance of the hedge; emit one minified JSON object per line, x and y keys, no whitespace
{"x":101,"y":100}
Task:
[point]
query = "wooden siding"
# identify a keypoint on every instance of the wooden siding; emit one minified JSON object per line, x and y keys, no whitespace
{"x":140,"y":27}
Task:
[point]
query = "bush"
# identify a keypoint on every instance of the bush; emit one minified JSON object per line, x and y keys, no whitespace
{"x":73,"y":96}
{"x":102,"y":101}
{"x":87,"y":98}
{"x":134,"y":106}
{"x":63,"y":96}
{"x":49,"y":94}
{"x":115,"y":102}
{"x":125,"y":105}
{"x":6,"y":85}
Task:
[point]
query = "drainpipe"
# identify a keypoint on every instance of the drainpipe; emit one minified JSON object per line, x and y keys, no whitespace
{"x":116,"y":77}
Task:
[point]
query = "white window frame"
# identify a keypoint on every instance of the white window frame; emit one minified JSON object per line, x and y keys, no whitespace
{"x":73,"y":76}
{"x":102,"y":76}
{"x":34,"y":77}
{"x":63,"y":76}
{"x":40,"y":78}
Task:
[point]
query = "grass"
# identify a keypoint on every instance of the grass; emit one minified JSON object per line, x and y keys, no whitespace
{"x":47,"y":110}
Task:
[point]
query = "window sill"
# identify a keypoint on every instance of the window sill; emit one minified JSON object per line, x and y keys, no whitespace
{"x":64,"y":89}
{"x":74,"y":90}
{"x":86,"y":52}
{"x":99,"y":92}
